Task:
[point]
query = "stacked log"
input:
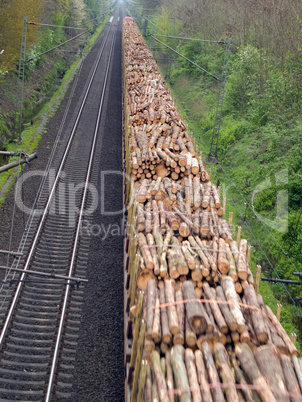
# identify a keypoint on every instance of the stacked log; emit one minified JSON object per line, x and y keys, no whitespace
{"x":175,"y":314}
{"x":219,"y":374}
{"x":206,"y":334}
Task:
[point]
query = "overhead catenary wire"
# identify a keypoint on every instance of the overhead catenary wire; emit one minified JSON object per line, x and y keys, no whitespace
{"x":53,"y":48}
{"x":220,"y":42}
{"x":184,"y":57}
{"x":50,"y":25}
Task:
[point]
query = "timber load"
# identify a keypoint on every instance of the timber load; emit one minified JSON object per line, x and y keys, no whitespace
{"x":197,"y":328}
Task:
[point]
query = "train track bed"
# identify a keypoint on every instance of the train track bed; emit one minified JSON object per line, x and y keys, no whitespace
{"x":41,"y":323}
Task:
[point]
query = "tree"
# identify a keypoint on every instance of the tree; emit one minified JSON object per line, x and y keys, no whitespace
{"x":11,"y":22}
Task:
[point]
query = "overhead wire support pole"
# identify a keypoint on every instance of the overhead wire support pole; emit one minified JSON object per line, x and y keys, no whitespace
{"x":184,"y":57}
{"x":212,"y":156}
{"x":22,"y":62}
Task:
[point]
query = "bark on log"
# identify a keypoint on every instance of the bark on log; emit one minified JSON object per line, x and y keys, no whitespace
{"x":180,"y":308}
{"x":292,"y":384}
{"x":240,"y":379}
{"x":224,"y":307}
{"x":190,"y":335}
{"x":216,"y":391}
{"x":169,"y":376}
{"x":242,"y":263}
{"x":142,"y":242}
{"x":160,"y":379}
{"x":198,"y":250}
{"x":281,"y":332}
{"x":225,"y":372}
{"x":223,"y":263}
{"x":268,"y":361}
{"x":151,"y":299}
{"x":251,"y":370}
{"x":153,"y":252}
{"x":220,"y":321}
{"x":180,"y":373}
{"x":156,"y":327}
{"x":256,"y":315}
{"x":192,"y":375}
{"x":172,"y":313}
{"x":166,"y":334}
{"x":195,"y":312}
{"x":231,"y":296}
{"x":202,"y":377}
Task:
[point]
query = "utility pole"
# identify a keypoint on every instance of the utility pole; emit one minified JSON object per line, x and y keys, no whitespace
{"x":212,"y":157}
{"x":20,"y":92}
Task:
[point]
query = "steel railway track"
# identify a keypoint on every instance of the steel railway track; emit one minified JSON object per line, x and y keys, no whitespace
{"x":40,"y":316}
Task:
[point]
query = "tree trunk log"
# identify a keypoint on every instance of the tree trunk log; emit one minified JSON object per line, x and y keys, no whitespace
{"x":195,"y":312}
{"x":192,"y":375}
{"x":169,"y":376}
{"x":292,"y":384}
{"x":231,"y":296}
{"x":156,"y":328}
{"x":249,"y":366}
{"x":180,"y":308}
{"x":166,"y":334}
{"x":180,"y":373}
{"x":256,"y":315}
{"x":202,"y":377}
{"x":215,"y":308}
{"x":268,"y":361}
{"x":160,"y":379}
{"x":223,"y":263}
{"x":151,"y":299}
{"x":224,"y":308}
{"x":225,"y":372}
{"x":172,"y":313}
{"x":216,"y":391}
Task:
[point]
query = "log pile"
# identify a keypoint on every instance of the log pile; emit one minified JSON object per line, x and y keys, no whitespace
{"x":201,"y":332}
{"x":159,"y":142}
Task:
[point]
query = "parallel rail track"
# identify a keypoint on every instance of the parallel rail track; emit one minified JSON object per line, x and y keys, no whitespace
{"x":41,"y":316}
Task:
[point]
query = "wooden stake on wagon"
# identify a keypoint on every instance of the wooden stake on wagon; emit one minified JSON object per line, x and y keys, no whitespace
{"x":136,"y":328}
{"x":257,"y":280}
{"x":142,"y":381}
{"x":239,"y":235}
{"x":138,"y":361}
{"x":230,"y":218}
{"x":278,"y":313}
